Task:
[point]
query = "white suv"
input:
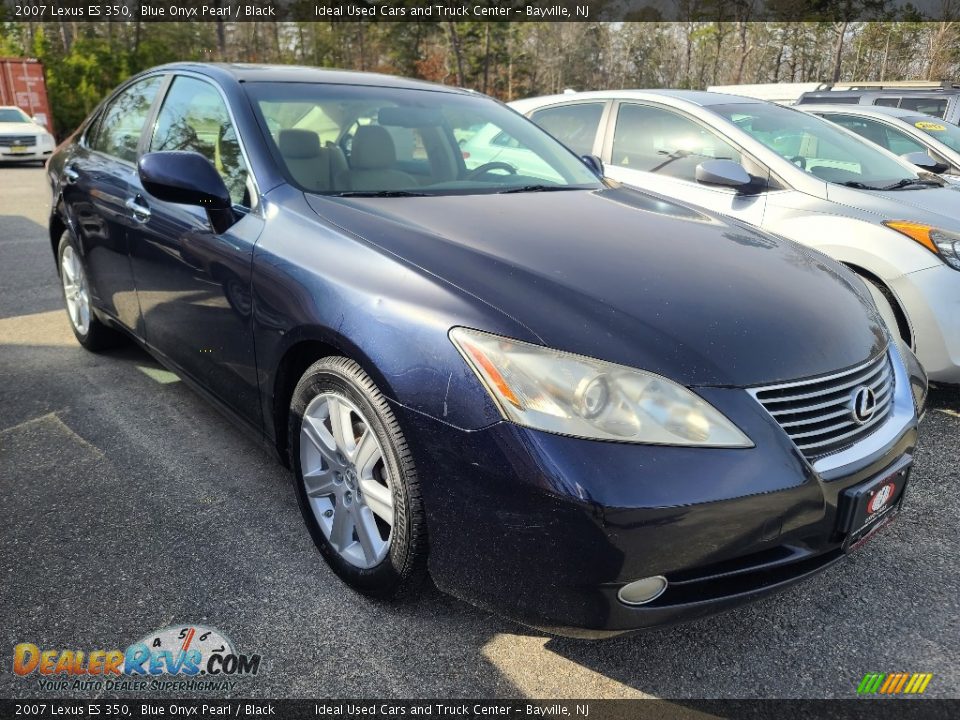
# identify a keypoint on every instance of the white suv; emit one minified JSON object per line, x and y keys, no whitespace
{"x":795,"y":175}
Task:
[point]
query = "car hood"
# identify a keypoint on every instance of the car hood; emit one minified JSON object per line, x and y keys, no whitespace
{"x":19,"y":128}
{"x":633,"y":279}
{"x":936,"y":206}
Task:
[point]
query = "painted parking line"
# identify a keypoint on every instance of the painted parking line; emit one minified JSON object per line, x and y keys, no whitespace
{"x":946,"y":411}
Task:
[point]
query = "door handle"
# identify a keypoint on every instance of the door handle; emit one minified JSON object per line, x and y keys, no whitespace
{"x":71,"y":175}
{"x":141,"y":213}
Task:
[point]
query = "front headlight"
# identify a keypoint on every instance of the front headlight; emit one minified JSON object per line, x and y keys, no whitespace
{"x":943,"y":243}
{"x":569,"y":394}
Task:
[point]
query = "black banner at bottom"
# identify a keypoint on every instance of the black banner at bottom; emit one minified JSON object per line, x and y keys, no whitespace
{"x":874,"y":709}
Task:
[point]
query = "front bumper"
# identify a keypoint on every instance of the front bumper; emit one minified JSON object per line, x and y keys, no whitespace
{"x":32,"y":154}
{"x":546,"y":529}
{"x":931,"y":298}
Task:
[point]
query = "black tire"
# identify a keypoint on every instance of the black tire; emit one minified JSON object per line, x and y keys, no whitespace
{"x":98,"y":336}
{"x":402,"y":572}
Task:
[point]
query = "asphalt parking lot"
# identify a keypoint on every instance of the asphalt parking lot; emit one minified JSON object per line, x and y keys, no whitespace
{"x":127,"y":505}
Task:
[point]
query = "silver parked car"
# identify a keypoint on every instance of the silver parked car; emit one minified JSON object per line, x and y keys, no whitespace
{"x":903,"y":132}
{"x":798,"y":176}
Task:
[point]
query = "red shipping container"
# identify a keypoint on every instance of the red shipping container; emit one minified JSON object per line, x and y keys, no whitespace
{"x":22,"y":84}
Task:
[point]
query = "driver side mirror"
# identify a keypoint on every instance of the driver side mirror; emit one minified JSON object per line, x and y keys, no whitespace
{"x":723,"y":173}
{"x":594,"y":163}
{"x":188,"y":178}
{"x":923,"y":161}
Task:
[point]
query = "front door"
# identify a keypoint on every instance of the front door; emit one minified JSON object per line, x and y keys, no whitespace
{"x":194,"y":284}
{"x":658,"y":149}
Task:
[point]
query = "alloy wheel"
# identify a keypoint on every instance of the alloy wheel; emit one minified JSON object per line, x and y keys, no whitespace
{"x":346,"y":479}
{"x":75,"y":290}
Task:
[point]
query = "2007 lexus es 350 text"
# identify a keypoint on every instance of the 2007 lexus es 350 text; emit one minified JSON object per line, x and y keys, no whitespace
{"x":585,"y":407}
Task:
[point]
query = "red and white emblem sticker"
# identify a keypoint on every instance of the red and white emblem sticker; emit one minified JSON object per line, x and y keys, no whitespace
{"x":882,"y":497}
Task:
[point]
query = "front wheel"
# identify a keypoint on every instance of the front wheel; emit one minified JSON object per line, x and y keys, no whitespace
{"x":355,"y":480}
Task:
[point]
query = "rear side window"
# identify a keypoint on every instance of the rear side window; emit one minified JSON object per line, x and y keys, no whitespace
{"x":122,"y":122}
{"x":194,"y":118}
{"x":887,"y":101}
{"x":831,"y":100}
{"x":574,"y":125}
{"x":926,"y":105}
{"x":656,"y":140}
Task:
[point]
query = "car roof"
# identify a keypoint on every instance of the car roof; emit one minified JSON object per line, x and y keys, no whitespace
{"x":694,"y":97}
{"x":865,"y":110}
{"x":252,"y":72}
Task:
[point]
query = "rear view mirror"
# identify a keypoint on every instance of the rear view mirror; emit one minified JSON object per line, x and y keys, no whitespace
{"x":190,"y":179}
{"x":725,"y":173}
{"x":594,"y":163}
{"x":409,"y":117}
{"x":925,"y":162}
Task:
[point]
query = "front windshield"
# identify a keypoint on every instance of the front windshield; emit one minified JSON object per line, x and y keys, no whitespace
{"x":943,"y":131}
{"x":360,"y":140}
{"x":818,"y":146}
{"x":13,"y":115}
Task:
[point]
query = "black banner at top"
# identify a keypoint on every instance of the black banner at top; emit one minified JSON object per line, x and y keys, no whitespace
{"x":473,"y":10}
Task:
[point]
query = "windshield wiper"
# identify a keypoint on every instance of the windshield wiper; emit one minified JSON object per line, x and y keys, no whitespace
{"x":907,"y":182}
{"x":381,"y":193}
{"x":860,"y":186}
{"x":537,"y":188}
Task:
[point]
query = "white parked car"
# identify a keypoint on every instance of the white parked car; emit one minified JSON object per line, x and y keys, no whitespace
{"x":796,"y":175}
{"x":491,"y":144}
{"x":21,"y":138}
{"x":902,"y":132}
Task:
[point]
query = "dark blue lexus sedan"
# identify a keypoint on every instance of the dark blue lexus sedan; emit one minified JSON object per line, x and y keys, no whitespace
{"x":585,"y":407}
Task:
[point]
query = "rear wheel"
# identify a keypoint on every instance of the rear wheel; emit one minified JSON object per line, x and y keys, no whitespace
{"x":89,"y":331}
{"x":355,"y":480}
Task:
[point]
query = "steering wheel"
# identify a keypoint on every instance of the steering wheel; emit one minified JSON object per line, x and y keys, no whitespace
{"x":488,"y":167}
{"x":799,"y":161}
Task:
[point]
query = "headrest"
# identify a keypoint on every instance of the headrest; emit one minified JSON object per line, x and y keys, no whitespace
{"x":372,"y":149}
{"x":299,"y":144}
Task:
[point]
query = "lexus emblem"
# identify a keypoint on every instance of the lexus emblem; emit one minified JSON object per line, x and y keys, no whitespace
{"x":883,"y":496}
{"x":863,"y":404}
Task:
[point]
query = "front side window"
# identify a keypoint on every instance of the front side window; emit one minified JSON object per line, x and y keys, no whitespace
{"x":194,"y":118}
{"x":660,"y":141}
{"x":574,"y":125}
{"x":122,"y":122}
{"x":339,"y":139}
{"x":817,"y":145}
{"x":879,"y":133}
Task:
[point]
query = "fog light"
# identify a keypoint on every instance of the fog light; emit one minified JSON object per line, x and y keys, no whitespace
{"x":640,"y":592}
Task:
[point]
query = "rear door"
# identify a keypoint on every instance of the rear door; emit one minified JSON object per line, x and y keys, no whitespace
{"x":96,"y":187}
{"x":658,"y":148}
{"x":193,"y":283}
{"x":576,"y":125}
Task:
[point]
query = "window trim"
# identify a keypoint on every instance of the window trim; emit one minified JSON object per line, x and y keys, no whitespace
{"x":598,"y":136}
{"x":143,"y":147}
{"x":779,"y":184}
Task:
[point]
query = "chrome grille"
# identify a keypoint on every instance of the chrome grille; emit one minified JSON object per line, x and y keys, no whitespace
{"x":818,"y":413}
{"x":11,"y":140}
